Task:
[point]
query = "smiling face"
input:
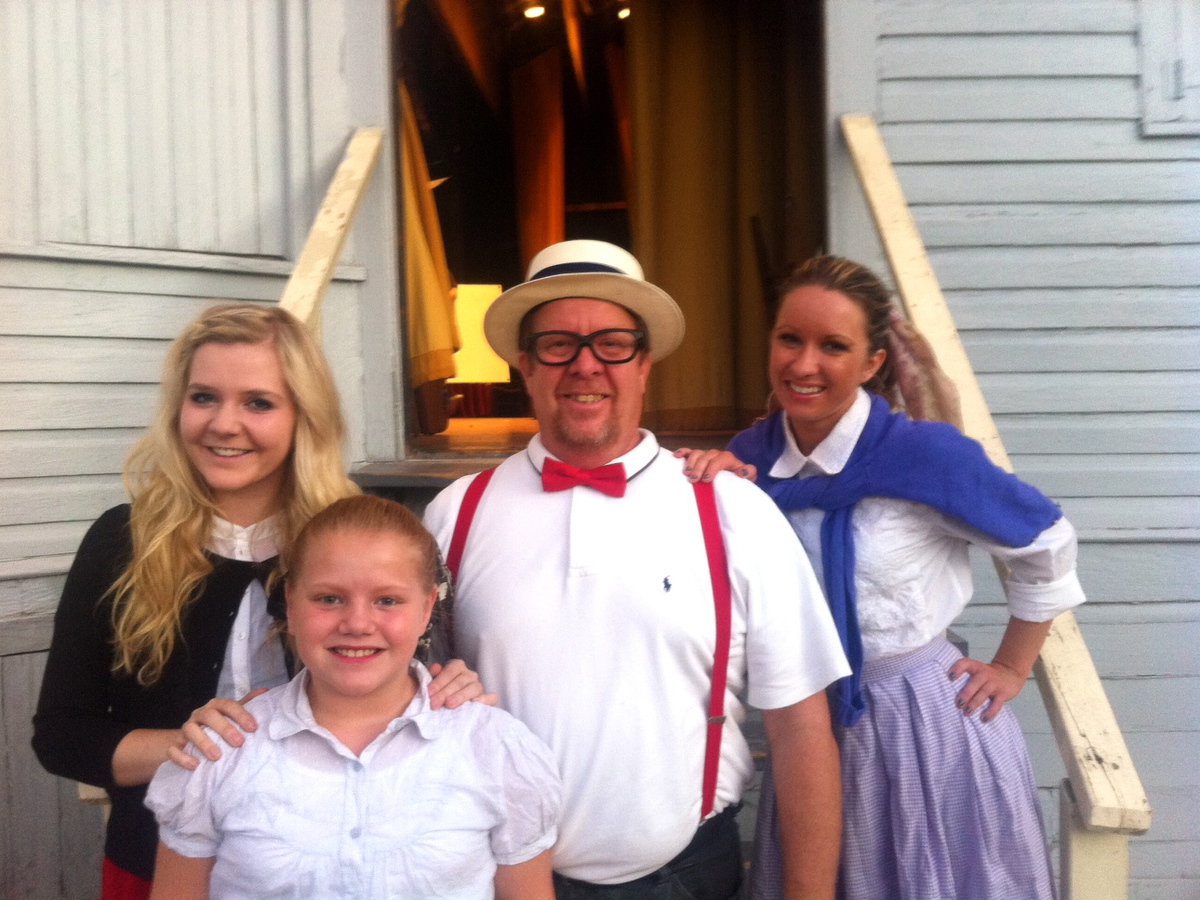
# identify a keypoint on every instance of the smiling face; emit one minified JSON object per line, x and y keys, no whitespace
{"x":237,"y":425}
{"x":820,"y":355}
{"x":588,"y":412}
{"x":357,"y":605}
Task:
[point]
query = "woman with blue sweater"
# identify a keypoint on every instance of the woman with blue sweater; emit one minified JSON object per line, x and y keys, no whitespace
{"x":940,"y":799}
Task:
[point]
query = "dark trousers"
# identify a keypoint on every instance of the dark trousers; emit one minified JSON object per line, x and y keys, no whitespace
{"x":709,"y":868}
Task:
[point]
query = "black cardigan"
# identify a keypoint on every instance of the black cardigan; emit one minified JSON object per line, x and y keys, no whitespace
{"x":85,"y":709}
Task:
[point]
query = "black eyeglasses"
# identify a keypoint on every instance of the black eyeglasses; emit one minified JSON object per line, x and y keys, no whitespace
{"x":609,"y":345}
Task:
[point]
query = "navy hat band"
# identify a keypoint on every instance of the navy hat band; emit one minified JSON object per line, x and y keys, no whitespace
{"x":574,"y":268}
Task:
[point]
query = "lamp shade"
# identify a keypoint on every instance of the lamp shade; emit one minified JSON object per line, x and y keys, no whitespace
{"x":476,"y":361}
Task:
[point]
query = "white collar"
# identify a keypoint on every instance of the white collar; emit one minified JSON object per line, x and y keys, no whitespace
{"x":249,"y":543}
{"x":634,"y":461}
{"x":831,"y":455}
{"x":294,"y":712}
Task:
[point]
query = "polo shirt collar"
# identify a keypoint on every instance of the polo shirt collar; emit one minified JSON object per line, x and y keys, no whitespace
{"x":831,"y":455}
{"x":634,"y":461}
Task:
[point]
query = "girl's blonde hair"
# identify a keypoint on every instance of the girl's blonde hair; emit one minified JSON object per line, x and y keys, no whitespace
{"x":173,"y":509}
{"x":374,"y":515}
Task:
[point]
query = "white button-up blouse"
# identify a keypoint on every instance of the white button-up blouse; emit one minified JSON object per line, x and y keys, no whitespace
{"x":428,"y":809}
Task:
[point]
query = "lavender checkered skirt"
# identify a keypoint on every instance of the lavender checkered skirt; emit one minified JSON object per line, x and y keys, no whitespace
{"x":938,"y":806}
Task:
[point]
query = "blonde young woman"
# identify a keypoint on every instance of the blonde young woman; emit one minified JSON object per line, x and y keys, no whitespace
{"x":170,"y":600}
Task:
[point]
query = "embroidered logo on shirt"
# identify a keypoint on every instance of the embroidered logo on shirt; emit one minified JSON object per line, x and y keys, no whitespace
{"x":666,"y":584}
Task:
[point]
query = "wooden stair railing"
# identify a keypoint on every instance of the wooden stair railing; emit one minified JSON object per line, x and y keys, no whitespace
{"x":1102,"y":801}
{"x":314,"y":269}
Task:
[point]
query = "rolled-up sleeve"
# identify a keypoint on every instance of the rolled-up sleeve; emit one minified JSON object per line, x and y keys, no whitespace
{"x":1041,"y":581}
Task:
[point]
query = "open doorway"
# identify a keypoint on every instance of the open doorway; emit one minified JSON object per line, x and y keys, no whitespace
{"x":691,"y":133}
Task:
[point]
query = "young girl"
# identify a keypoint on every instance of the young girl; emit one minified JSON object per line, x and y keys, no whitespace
{"x":353,"y":786}
{"x":166,"y":604}
{"x":939,"y":795}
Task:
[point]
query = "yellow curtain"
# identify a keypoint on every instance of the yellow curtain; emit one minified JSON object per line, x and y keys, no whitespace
{"x":428,"y":286}
{"x":717,"y":123}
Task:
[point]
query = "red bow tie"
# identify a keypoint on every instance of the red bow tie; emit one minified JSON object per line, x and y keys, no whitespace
{"x":558,"y":476}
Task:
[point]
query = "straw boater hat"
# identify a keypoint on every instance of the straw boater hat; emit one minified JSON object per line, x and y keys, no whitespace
{"x":594,"y":270}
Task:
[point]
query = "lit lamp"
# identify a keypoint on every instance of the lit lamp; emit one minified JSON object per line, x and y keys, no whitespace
{"x":476,"y":361}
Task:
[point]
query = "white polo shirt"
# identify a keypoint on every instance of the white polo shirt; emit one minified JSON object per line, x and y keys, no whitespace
{"x":593,"y":618}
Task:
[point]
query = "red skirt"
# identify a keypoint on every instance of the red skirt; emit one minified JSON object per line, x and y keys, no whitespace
{"x":117,"y":884}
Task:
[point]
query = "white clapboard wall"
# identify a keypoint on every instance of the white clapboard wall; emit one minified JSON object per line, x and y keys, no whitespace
{"x":1067,"y":243}
{"x":151,"y":125}
{"x":159,"y":155}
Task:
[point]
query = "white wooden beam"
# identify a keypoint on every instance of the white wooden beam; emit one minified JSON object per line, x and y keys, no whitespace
{"x":918,"y":286}
{"x":1108,"y":792}
{"x":314,"y":269}
{"x":1094,"y":865}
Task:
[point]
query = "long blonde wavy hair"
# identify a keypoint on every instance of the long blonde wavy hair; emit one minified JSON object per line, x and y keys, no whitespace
{"x":172,"y":506}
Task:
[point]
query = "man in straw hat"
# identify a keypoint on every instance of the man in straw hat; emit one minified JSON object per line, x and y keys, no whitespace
{"x":588,"y":596}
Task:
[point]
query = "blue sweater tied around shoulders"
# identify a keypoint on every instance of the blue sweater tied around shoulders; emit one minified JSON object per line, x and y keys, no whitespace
{"x":925,"y":462}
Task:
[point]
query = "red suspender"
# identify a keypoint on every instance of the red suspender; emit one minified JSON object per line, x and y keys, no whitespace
{"x":466,"y":514}
{"x":718,"y":571}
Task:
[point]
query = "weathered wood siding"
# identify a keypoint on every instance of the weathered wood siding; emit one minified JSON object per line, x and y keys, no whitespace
{"x":157,"y":156}
{"x":1068,"y":247}
{"x":153,"y":124}
{"x":51,"y":844}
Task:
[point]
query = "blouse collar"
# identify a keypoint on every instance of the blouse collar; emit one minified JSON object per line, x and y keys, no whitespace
{"x":249,"y":543}
{"x":294,"y":712}
{"x":831,"y":455}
